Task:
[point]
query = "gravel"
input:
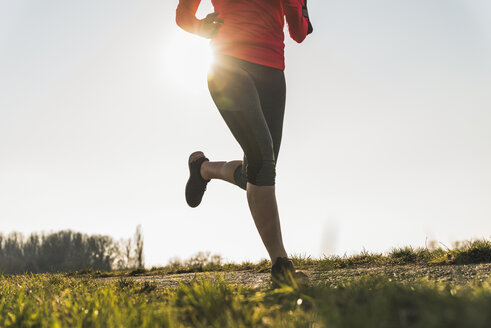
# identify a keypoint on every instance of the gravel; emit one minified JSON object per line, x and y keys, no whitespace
{"x":455,"y":274}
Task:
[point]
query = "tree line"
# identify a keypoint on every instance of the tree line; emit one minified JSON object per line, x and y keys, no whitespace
{"x":67,"y":250}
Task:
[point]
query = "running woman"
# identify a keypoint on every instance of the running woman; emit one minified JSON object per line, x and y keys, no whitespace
{"x":247,"y":84}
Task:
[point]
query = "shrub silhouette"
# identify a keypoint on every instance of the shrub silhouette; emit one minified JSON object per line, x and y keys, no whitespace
{"x":67,"y":250}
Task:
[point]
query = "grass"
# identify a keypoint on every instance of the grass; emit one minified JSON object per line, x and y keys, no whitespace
{"x":468,"y":252}
{"x":78,"y":300}
{"x":54,"y":300}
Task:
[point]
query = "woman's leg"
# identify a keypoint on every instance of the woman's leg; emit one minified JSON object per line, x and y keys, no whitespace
{"x":220,"y":170}
{"x":264,"y":210}
{"x":237,"y":99}
{"x":232,"y":172}
{"x":270,"y":84}
{"x":271,"y":89}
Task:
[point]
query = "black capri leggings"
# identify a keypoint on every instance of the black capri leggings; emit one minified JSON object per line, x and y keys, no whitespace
{"x":251,"y":99}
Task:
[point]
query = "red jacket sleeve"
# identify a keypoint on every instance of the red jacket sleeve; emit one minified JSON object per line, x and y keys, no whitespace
{"x":186,"y":15}
{"x":297,"y":24}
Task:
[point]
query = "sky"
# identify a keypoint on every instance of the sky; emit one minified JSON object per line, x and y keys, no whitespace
{"x":386,"y":140}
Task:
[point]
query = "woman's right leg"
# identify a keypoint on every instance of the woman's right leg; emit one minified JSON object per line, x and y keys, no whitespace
{"x":270,"y":86}
{"x":232,"y":171}
{"x":220,"y":170}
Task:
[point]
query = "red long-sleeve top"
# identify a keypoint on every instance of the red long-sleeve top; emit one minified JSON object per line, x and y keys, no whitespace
{"x":252,"y":29}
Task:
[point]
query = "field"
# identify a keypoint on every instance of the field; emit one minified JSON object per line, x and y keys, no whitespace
{"x":405,"y":288}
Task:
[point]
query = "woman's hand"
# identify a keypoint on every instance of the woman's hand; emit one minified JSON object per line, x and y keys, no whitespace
{"x":210,"y":25}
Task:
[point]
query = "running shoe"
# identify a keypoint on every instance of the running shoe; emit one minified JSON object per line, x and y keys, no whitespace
{"x":196,"y":185}
{"x":283,"y":273}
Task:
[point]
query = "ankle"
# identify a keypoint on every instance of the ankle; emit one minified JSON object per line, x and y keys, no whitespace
{"x":275,"y":258}
{"x":203,"y":171}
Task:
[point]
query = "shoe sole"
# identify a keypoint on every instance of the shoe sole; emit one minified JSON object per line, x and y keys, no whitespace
{"x":193,"y":157}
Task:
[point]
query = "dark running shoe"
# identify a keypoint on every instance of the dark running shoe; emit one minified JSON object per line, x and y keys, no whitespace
{"x":283,"y":273}
{"x":196,"y":185}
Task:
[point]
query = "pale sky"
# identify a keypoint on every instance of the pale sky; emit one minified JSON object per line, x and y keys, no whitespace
{"x":386,"y":141}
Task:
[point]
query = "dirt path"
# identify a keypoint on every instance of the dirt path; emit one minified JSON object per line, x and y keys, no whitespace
{"x":457,"y":274}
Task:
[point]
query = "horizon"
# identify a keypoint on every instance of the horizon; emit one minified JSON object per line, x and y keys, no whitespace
{"x":20,"y":239}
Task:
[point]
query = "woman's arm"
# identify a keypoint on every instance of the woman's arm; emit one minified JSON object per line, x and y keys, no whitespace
{"x":186,"y":15}
{"x":186,"y":19}
{"x":297,"y":18}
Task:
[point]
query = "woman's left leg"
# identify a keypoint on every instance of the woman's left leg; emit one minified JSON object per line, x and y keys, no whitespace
{"x":271,"y":88}
{"x":235,"y":92}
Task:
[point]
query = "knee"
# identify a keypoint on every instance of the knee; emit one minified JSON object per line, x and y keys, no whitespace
{"x":261,"y":173}
{"x":240,"y":177}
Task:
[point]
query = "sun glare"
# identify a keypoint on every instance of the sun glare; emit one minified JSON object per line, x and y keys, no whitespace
{"x":187,"y":59}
